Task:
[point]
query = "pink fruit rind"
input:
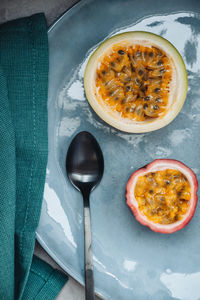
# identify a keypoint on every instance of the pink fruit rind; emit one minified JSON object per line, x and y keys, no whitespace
{"x":157,"y":164}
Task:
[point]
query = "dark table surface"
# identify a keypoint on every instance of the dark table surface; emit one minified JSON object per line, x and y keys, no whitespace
{"x":12,"y":9}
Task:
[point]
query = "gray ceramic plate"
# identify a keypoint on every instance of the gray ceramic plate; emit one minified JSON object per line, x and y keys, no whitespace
{"x":130,"y":261}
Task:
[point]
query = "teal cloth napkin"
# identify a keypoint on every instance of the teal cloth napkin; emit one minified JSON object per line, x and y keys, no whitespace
{"x":23,"y":158}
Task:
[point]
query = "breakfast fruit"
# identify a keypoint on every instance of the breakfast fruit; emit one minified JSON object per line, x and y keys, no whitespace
{"x":163,"y":195}
{"x":136,"y":81}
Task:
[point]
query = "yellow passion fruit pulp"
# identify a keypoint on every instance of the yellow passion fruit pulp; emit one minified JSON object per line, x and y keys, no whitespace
{"x":136,"y":81}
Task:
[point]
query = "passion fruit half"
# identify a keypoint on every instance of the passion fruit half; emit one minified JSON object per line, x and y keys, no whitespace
{"x":163,"y":195}
{"x":136,"y":81}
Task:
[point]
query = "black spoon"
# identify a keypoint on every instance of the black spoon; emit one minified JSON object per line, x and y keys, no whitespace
{"x":85,"y":165}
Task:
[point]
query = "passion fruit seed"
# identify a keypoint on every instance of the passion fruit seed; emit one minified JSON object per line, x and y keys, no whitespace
{"x":160,"y":63}
{"x":132,"y":68}
{"x":141,"y":72}
{"x":160,"y":199}
{"x":158,"y":100}
{"x":136,"y":74}
{"x":157,"y":90}
{"x":121,"y":52}
{"x":137,"y":81}
{"x":155,"y":107}
{"x":132,"y":108}
{"x":167,"y":182}
{"x":151,"y":54}
{"x":162,"y":71}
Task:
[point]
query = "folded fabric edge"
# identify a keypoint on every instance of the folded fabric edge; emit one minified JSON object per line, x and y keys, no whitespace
{"x":49,"y":279}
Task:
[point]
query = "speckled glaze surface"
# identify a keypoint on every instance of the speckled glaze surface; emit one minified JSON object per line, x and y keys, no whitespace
{"x":130,"y":261}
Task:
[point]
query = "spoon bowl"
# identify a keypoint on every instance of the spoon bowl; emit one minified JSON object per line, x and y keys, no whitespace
{"x":84,"y":163}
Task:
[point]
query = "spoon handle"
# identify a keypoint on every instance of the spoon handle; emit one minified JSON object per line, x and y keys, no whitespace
{"x":89,"y":280}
